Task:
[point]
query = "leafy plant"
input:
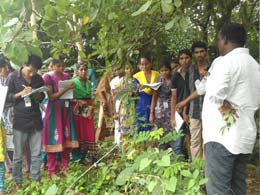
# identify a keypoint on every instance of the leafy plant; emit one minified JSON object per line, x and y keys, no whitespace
{"x":137,"y":167}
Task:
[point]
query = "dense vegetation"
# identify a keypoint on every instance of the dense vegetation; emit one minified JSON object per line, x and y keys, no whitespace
{"x":112,"y":32}
{"x":138,"y":167}
{"x":106,"y":33}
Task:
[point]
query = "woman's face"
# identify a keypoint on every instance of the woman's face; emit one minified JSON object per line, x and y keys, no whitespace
{"x":4,"y":71}
{"x":50,"y":67}
{"x":145,"y":65}
{"x":82,"y":71}
{"x":165,"y":72}
{"x":59,"y":67}
{"x":129,"y":70}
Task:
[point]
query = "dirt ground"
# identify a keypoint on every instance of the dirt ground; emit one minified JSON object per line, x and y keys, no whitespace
{"x":253,"y":171}
{"x":253,"y":179}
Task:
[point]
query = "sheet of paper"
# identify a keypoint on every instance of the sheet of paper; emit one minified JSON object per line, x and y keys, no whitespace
{"x":3,"y":93}
{"x":38,"y":90}
{"x":9,"y":142}
{"x":69,"y":93}
{"x":179,"y":121}
{"x":154,"y":86}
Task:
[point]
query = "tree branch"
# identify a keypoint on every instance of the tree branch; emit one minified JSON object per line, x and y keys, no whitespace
{"x":19,"y":30}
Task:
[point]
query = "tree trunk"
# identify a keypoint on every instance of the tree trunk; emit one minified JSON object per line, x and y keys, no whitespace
{"x":33,"y":20}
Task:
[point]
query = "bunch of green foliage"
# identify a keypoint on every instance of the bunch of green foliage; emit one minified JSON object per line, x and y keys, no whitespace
{"x":136,"y":167}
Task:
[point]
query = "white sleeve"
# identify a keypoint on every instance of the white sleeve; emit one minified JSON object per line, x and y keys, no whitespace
{"x":201,"y":86}
{"x":218,"y":83}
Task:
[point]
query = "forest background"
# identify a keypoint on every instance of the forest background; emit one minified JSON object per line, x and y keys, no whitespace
{"x":107,"y":33}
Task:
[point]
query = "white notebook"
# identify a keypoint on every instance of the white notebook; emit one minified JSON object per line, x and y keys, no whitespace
{"x":3,"y":93}
{"x":69,"y":93}
{"x":179,"y":121}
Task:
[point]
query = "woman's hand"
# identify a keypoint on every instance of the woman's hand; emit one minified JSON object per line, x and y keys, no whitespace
{"x":25,"y":91}
{"x":186,"y":118}
{"x":173,"y":122}
{"x":70,"y":86}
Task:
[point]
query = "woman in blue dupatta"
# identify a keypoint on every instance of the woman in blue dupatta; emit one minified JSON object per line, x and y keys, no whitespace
{"x":145,"y":76}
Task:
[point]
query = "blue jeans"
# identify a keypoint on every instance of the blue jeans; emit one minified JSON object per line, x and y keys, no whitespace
{"x":34,"y":137}
{"x":177,"y":146}
{"x":226,"y":172}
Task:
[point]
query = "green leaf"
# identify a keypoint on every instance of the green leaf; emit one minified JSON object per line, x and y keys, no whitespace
{"x":143,"y":8}
{"x":145,"y":162}
{"x":170,"y":24}
{"x":116,"y":193}
{"x":191,"y":183}
{"x":167,"y":6}
{"x":165,"y":161}
{"x":171,"y":184}
{"x":183,"y":23}
{"x":196,"y":173}
{"x":35,"y":50}
{"x":51,"y":13}
{"x":124,"y":176}
{"x":17,"y":53}
{"x":151,"y":185}
{"x":52,"y":190}
{"x":112,"y":15}
{"x":186,"y":173}
{"x":82,"y":54}
{"x":203,"y":181}
{"x":177,"y":3}
{"x":93,"y":15}
{"x":11,"y":22}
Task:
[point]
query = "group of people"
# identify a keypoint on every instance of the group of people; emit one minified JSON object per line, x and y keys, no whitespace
{"x":201,"y":93}
{"x":67,"y":128}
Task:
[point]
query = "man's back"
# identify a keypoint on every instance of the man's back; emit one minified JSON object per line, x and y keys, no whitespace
{"x":236,"y":79}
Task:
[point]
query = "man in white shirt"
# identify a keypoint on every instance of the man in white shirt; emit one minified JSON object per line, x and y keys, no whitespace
{"x":232,"y":86}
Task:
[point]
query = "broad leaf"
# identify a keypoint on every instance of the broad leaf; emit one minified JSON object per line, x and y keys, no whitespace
{"x":196,"y":173}
{"x":186,"y":173}
{"x":165,"y":161}
{"x":124,"y":176}
{"x":177,"y":3}
{"x":143,"y":8}
{"x":171,"y":184}
{"x":203,"y":181}
{"x":145,"y":162}
{"x":52,"y":190}
{"x":170,"y":24}
{"x":11,"y":22}
{"x":151,"y":185}
{"x":192,"y":182}
{"x":167,"y":6}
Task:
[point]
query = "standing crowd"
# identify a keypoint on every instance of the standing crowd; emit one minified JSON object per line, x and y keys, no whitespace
{"x":53,"y":129}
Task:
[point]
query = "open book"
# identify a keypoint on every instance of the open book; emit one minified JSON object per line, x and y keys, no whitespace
{"x":38,"y":90}
{"x":69,"y":93}
{"x":154,"y":86}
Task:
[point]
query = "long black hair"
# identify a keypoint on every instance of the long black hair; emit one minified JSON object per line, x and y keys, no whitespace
{"x":4,"y":62}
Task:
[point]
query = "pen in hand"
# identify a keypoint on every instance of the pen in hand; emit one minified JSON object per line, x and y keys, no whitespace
{"x":26,"y":90}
